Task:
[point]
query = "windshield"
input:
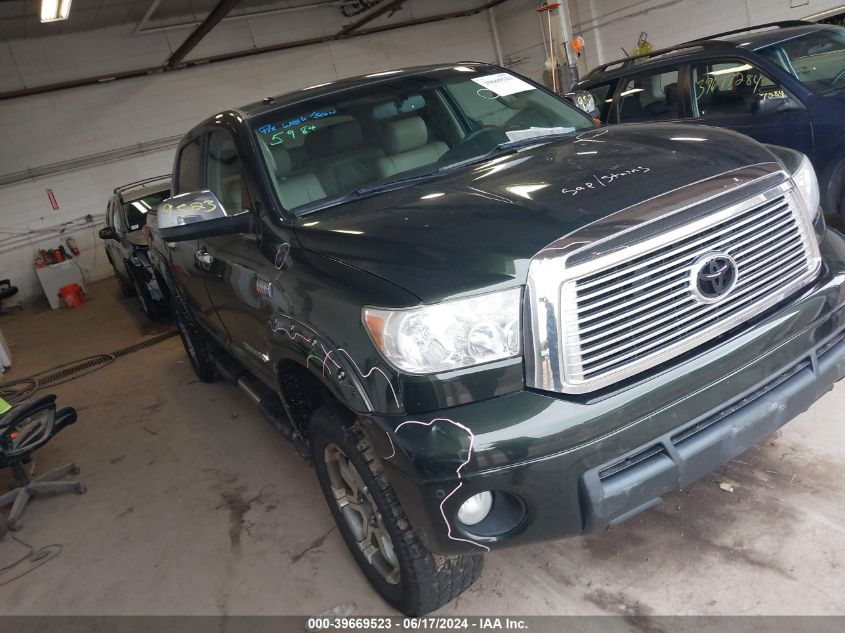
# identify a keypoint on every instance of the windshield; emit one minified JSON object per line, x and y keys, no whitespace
{"x":816,"y":58}
{"x":136,"y":211}
{"x":353,"y":142}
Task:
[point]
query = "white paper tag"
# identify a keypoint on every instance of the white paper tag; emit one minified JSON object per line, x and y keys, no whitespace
{"x":503,"y":84}
{"x":537,"y":132}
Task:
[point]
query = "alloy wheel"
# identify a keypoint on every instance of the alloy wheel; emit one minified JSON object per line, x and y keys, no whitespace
{"x":361,"y":514}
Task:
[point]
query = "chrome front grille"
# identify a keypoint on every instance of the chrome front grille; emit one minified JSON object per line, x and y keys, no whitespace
{"x":628,"y":309}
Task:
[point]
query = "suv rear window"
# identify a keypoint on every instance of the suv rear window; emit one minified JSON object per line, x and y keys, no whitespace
{"x":650,"y":97}
{"x":136,"y":210}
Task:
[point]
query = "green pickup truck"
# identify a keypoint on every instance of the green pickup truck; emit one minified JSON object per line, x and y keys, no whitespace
{"x":488,"y":321}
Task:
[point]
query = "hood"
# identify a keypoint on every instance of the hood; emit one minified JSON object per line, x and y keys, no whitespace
{"x":477,"y":228}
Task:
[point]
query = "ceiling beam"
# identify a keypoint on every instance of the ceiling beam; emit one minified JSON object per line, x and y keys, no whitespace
{"x":212,"y":19}
{"x":143,"y":72}
{"x":367,"y":17}
{"x":150,"y":11}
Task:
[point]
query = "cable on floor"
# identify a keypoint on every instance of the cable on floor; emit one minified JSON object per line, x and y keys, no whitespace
{"x":34,"y":558}
{"x":16,"y":391}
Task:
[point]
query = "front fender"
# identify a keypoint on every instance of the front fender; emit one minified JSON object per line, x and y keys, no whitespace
{"x":292,"y":341}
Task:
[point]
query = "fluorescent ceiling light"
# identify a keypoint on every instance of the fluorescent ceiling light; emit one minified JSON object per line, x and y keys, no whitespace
{"x":432,"y":195}
{"x":54,"y":10}
{"x":464,"y":69}
{"x":631,"y":92}
{"x":688,"y":138}
{"x":314,"y":223}
{"x":731,"y":70}
{"x":348,"y":231}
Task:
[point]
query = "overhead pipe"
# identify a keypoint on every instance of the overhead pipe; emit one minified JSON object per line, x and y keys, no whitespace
{"x":142,"y":29}
{"x":143,"y":72}
{"x":369,"y":16}
{"x":494,"y":30}
{"x":212,"y":19}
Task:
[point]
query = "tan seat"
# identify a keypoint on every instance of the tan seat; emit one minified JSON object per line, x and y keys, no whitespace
{"x":407,"y":147}
{"x":352,"y":161}
{"x":295,"y":190}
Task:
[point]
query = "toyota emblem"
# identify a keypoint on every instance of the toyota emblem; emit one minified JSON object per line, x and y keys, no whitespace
{"x":713,"y":276}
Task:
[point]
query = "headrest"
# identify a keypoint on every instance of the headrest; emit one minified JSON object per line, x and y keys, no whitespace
{"x":405,"y":134}
{"x":318,"y":144}
{"x":347,"y":134}
{"x":281,"y":158}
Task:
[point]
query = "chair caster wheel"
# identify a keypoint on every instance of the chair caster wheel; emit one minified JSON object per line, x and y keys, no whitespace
{"x":81,"y":489}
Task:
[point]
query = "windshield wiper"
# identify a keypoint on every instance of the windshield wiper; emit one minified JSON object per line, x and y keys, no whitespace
{"x":508,"y":147}
{"x":365,"y":191}
{"x":393,"y":184}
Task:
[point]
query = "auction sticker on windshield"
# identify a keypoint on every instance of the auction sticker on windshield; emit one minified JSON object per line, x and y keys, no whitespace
{"x":503,"y":84}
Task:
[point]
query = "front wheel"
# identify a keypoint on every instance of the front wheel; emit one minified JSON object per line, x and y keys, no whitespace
{"x":373,"y":523}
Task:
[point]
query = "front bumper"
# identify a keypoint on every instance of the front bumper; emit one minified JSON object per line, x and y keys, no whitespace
{"x":585,"y":464}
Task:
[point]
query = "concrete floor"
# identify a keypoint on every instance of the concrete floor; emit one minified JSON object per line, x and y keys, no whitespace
{"x":196,"y":506}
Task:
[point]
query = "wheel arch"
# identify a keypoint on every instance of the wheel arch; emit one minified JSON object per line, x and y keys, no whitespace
{"x":832,"y":183}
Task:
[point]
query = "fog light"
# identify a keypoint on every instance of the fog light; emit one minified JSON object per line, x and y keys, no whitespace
{"x":476,"y":508}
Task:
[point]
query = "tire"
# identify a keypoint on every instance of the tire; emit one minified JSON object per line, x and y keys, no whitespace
{"x":838,"y":186}
{"x":416,"y":581}
{"x":126,"y":289}
{"x":196,"y":342}
{"x":154,"y":310}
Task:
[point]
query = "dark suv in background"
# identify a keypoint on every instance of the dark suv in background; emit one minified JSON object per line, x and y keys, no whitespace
{"x":781,"y":83}
{"x":125,"y":243}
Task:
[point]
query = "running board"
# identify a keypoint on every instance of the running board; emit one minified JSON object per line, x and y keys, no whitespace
{"x":268,"y":401}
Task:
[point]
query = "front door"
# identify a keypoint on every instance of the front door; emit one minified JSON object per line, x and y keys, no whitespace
{"x":733,"y":94}
{"x":238,"y":277}
{"x":187,"y":259}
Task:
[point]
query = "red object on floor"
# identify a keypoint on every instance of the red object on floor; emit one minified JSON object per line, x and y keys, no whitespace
{"x":72,"y":295}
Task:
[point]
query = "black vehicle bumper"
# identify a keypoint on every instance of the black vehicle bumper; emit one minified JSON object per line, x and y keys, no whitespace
{"x":585,"y":465}
{"x":619,"y":489}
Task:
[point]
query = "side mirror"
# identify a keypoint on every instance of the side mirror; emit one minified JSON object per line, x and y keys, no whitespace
{"x":108,"y":233}
{"x":774,"y":101}
{"x":193,"y":215}
{"x":584,"y":101}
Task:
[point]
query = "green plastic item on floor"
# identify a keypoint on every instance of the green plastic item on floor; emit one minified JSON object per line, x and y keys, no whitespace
{"x":4,"y":406}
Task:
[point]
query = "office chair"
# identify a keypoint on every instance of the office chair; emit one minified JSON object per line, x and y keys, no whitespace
{"x":6,"y":290}
{"x":23,"y":430}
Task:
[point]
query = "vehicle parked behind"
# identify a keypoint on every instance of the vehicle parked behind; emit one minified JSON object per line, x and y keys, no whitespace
{"x":126,"y":246}
{"x":781,"y":83}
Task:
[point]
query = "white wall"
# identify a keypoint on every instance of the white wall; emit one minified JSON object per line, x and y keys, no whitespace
{"x":608,"y":24}
{"x":69,"y":124}
{"x":522,"y":37}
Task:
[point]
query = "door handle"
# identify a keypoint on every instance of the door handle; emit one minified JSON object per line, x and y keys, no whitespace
{"x":203,"y":258}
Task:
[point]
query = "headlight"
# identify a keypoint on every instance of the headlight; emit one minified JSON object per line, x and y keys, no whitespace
{"x":448,"y":335}
{"x":807,"y":183}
